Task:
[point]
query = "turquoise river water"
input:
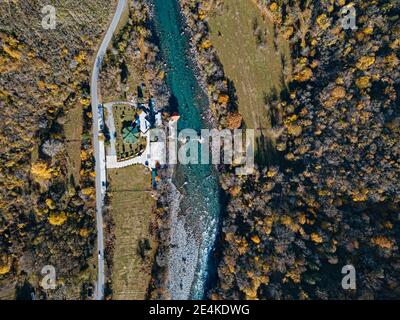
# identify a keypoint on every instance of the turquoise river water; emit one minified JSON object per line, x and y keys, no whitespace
{"x":194,"y":226}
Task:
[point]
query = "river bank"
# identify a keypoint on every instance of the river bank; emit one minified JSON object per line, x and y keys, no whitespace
{"x":193,"y":215}
{"x":132,"y":71}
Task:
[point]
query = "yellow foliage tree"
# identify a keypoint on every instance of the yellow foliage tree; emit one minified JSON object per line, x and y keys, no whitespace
{"x":81,"y":57}
{"x":40,"y":171}
{"x":360,"y":196}
{"x":255,"y":239}
{"x":84,"y":155}
{"x":12,"y":53}
{"x":223,"y":99}
{"x":382,"y":242}
{"x":57,"y":219}
{"x":323,"y":21}
{"x":316,"y":237}
{"x":202,"y":14}
{"x":84,"y":101}
{"x":272,"y":172}
{"x":206,"y":44}
{"x":368,"y":30}
{"x":234,"y":120}
{"x":365,"y":62}
{"x":234,"y":191}
{"x":273,"y":7}
{"x":363,"y":82}
{"x":303,"y":75}
{"x":5,"y":264}
{"x":294,"y":275}
{"x":267,"y":225}
{"x":88,"y":191}
{"x":294,"y":130}
{"x":50,"y":203}
{"x":242,"y":246}
{"x":302,"y":218}
{"x":338,"y":92}
{"x":251,"y":292}
{"x":84,"y":233}
{"x":288,"y":222}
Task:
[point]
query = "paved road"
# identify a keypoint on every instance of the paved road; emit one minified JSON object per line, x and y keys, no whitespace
{"x":99,"y":150}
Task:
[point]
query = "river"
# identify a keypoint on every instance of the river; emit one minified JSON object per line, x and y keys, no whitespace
{"x":195,"y":220}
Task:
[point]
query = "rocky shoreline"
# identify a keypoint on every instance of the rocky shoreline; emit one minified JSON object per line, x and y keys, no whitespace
{"x":175,"y":229}
{"x":179,"y":282}
{"x":211,"y":76}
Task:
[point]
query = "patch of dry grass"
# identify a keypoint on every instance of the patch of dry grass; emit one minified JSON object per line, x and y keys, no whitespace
{"x":252,"y":58}
{"x":8,"y":292}
{"x":132,"y":206}
{"x":73,"y":135}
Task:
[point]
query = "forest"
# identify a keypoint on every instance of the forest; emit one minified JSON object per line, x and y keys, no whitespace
{"x":329,"y":196}
{"x":47,"y":209}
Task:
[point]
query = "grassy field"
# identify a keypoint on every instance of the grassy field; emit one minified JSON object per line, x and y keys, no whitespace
{"x":125,"y":113}
{"x":244,"y":41}
{"x":8,"y":292}
{"x":73,"y":134}
{"x":132,"y":207}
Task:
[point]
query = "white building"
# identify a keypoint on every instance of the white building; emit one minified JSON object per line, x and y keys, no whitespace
{"x":144,"y":123}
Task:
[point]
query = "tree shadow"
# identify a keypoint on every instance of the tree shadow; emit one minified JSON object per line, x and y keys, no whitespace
{"x":24,"y":291}
{"x":173,"y":105}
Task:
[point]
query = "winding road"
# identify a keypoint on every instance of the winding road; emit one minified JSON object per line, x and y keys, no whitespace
{"x":99,"y":148}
